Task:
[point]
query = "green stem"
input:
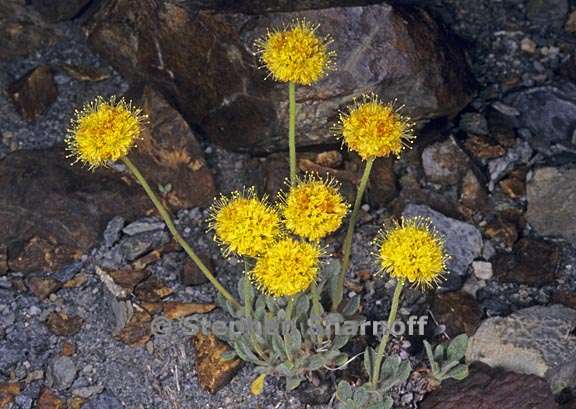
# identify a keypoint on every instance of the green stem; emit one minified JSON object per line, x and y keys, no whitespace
{"x":168,"y":220}
{"x":391,"y":318}
{"x":339,"y":294}
{"x":292,"y":131}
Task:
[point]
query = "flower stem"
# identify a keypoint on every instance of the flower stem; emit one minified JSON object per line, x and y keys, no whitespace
{"x":292,"y":131}
{"x":350,"y":233}
{"x":391,"y":318}
{"x":168,"y":220}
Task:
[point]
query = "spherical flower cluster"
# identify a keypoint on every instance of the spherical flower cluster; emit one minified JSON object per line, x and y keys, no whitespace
{"x":287,"y":268}
{"x":375,"y":129}
{"x":412,"y":250}
{"x":313,"y":208}
{"x":296,"y":54}
{"x":244,"y":224}
{"x":104,"y":131}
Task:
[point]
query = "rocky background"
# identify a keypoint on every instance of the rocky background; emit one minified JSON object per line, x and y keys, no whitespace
{"x":85,"y":264}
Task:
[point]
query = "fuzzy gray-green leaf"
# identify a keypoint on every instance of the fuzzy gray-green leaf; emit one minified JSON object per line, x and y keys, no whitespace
{"x":459,"y":373}
{"x":457,"y":348}
{"x":343,"y":391}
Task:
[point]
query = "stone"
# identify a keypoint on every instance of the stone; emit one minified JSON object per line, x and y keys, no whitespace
{"x":88,"y":391}
{"x":169,"y":154}
{"x":383,"y":182}
{"x":379,"y":47}
{"x":463,"y":241}
{"x":473,"y":194}
{"x":77,"y":281}
{"x":515,"y":185}
{"x":520,"y":153}
{"x":458,"y":311}
{"x":213,"y":372}
{"x":104,"y":401}
{"x":174,"y":310}
{"x":23,"y":31}
{"x":61,"y":372}
{"x":143,"y":226}
{"x":3,"y":259}
{"x":136,"y":332}
{"x":83,"y":73}
{"x":488,"y":388}
{"x":191,"y":275}
{"x":128,"y":278}
{"x":113,"y":230}
{"x":482,"y":270}
{"x":504,"y":226}
{"x":536,"y":341}
{"x":53,"y":213}
{"x":60,"y":10}
{"x":42,"y":287}
{"x":532,"y":262}
{"x":131,"y":248}
{"x":549,"y":113}
{"x":528,"y":46}
{"x":8,"y":392}
{"x":49,"y":400}
{"x":75,"y":402}
{"x":483,"y":147}
{"x":570,"y":25}
{"x":63,"y":325}
{"x":152,"y":290}
{"x":444,"y":162}
{"x":565,"y":298}
{"x":474,"y":123}
{"x":34,"y":93}
{"x":551,"y":196}
{"x":547,"y":12}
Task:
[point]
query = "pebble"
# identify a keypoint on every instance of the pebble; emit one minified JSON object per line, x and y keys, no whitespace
{"x":474,"y":123}
{"x":527,"y":45}
{"x":482,"y":270}
{"x":88,"y":391}
{"x":113,"y":229}
{"x":143,"y":226}
{"x":61,"y":372}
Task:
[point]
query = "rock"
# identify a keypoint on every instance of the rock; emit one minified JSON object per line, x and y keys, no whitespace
{"x":128,"y":278}
{"x":174,"y":310}
{"x":551,"y":196}
{"x":77,"y":281}
{"x":143,"y":226}
{"x":515,"y":185}
{"x":549,"y":113}
{"x":61,"y":372}
{"x":49,"y":400}
{"x":547,"y":12}
{"x":113,"y":230}
{"x":565,"y":298}
{"x":42,"y":287}
{"x":152,"y":290}
{"x":88,"y":391}
{"x":536,"y":341}
{"x":53,"y":213}
{"x":473,"y":195}
{"x":382,"y":187}
{"x":458,"y":311}
{"x":474,"y":123}
{"x":503,"y":226}
{"x":528,"y":46}
{"x":10,"y":355}
{"x":488,"y":388}
{"x":136,"y":332}
{"x":22,"y":31}
{"x":75,"y":402}
{"x":131,"y":248}
{"x":379,"y":48}
{"x":83,"y":73}
{"x":482,"y":270}
{"x":444,"y":162}
{"x":570,"y":25}
{"x":8,"y":391}
{"x":104,"y":401}
{"x":462,"y":240}
{"x":170,"y":155}
{"x":59,"y":10}
{"x":191,"y":275}
{"x":3,"y":259}
{"x":520,"y":153}
{"x":482,"y":147}
{"x":532,"y":262}
{"x":63,"y":325}
{"x":33,"y":94}
{"x":212,"y":371}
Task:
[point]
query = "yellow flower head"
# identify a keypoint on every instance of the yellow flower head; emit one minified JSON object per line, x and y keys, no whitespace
{"x":412,"y":250}
{"x":375,"y":129}
{"x":313,"y":208}
{"x":104,"y":131}
{"x":244,"y":224}
{"x":287,"y":268}
{"x":296,"y":53}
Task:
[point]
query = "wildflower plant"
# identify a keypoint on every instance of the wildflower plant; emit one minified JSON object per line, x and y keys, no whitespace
{"x":286,"y":269}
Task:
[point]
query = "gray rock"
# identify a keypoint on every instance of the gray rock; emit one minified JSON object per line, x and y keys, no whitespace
{"x":132,"y":247}
{"x":549,"y":112}
{"x":395,"y":52}
{"x":551,"y":202}
{"x":61,"y":372}
{"x":10,"y":355}
{"x":474,"y":123}
{"x":499,"y":167}
{"x":24,"y":402}
{"x":534,"y":341}
{"x":547,"y":12}
{"x":88,"y":391}
{"x":444,"y":162}
{"x":104,"y":401}
{"x":112,"y":231}
{"x":482,"y":270}
{"x":463,"y":242}
{"x":143,"y":226}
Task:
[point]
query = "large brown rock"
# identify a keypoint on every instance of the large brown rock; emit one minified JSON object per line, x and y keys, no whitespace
{"x":204,"y":62}
{"x":33,"y":94}
{"x":490,"y":388}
